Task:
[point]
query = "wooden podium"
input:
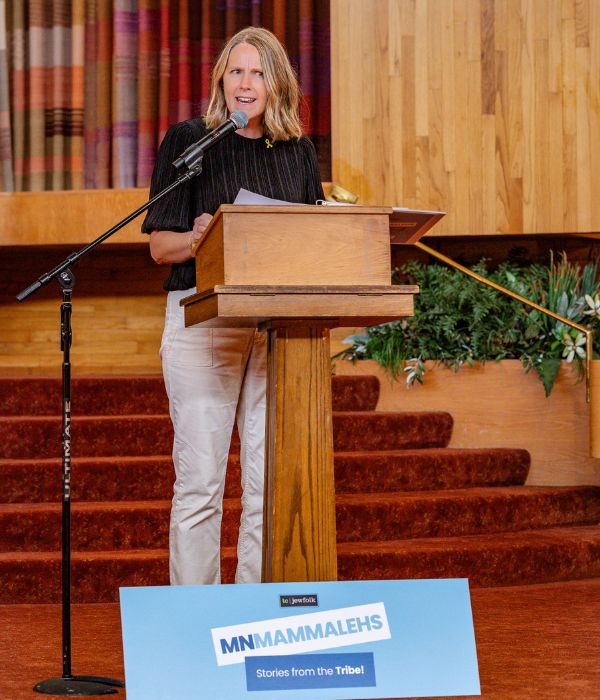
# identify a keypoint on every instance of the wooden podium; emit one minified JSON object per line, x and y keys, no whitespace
{"x":297,"y":271}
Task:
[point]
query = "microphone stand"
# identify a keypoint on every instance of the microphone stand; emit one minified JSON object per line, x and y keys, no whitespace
{"x":68,"y":684}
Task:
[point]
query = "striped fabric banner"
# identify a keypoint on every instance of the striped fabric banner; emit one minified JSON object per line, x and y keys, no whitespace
{"x":46,"y":93}
{"x":6,"y":167}
{"x":89,"y":87}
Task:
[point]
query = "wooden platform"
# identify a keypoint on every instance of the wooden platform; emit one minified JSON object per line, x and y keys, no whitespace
{"x":539,"y":642}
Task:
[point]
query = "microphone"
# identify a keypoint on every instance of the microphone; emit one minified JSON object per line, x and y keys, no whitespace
{"x":189,"y":158}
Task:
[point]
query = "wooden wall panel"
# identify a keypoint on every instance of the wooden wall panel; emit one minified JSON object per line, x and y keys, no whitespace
{"x":111,"y":334}
{"x":118,"y":309}
{"x":73,"y":216}
{"x":487,"y":109}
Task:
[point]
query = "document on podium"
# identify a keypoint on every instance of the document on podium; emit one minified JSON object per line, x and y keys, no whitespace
{"x":247,"y":197}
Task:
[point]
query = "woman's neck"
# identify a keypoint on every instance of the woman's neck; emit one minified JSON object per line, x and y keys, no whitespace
{"x":253,"y":130}
{"x":250,"y":133}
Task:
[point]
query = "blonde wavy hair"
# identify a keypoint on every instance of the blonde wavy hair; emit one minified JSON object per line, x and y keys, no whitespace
{"x":281,"y":120}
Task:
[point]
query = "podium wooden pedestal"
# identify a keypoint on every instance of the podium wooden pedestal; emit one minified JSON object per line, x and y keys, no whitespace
{"x":296,"y":272}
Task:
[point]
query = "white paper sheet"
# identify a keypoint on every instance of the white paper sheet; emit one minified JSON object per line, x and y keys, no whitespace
{"x":247,"y":197}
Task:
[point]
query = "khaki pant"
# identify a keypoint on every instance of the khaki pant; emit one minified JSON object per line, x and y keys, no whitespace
{"x":213,"y":378}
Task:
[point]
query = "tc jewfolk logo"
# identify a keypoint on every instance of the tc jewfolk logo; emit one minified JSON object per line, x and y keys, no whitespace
{"x":297,"y":634}
{"x":299,"y":601}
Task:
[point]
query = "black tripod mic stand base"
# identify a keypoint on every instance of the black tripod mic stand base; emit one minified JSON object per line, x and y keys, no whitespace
{"x":82,"y":686}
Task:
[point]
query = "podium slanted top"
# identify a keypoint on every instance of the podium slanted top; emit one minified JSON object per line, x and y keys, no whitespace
{"x":407,"y":226}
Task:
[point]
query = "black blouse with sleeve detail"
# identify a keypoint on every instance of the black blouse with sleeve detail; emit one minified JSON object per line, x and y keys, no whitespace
{"x":285,"y":170}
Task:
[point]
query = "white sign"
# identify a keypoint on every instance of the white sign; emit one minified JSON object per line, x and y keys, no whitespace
{"x":296,"y":634}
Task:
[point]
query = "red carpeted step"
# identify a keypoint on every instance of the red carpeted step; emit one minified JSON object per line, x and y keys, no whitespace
{"x":449,"y":513}
{"x":360,"y":393}
{"x":140,"y":395}
{"x":98,"y":526}
{"x":91,"y":396}
{"x":143,"y":478}
{"x":138,"y":524}
{"x":98,"y":479}
{"x":92,"y":436}
{"x":353,"y":431}
{"x":516,"y":558}
{"x":95,"y":526}
{"x":506,"y":559}
{"x":429,"y":468}
{"x":104,"y":436}
{"x":92,"y":479}
{"x":34,"y":577}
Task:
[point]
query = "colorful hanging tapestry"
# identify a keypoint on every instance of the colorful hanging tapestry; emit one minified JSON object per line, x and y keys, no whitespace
{"x":89,"y":87}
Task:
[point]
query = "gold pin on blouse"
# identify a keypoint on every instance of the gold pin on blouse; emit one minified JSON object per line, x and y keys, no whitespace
{"x":269,"y":144}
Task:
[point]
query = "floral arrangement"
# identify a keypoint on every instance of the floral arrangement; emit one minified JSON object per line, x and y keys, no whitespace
{"x":458,"y":320}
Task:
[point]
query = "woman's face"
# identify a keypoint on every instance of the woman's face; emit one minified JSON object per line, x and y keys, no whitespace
{"x":244,"y":86}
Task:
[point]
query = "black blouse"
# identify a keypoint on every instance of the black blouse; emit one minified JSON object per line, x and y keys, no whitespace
{"x":285,"y":170}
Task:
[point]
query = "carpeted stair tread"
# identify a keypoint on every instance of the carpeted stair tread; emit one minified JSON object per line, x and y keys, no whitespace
{"x":98,"y":526}
{"x":94,"y":395}
{"x":448,"y":513}
{"x":429,"y":468}
{"x":117,"y":478}
{"x":103,"y":436}
{"x":141,"y":394}
{"x":136,"y":524}
{"x":517,"y":558}
{"x":366,"y":430}
{"x":123,"y":525}
{"x":93,"y":436}
{"x":499,"y":559}
{"x":147,"y":477}
{"x":35,"y":577}
{"x":359,"y":393}
{"x":95,"y":526}
{"x":107,"y":555}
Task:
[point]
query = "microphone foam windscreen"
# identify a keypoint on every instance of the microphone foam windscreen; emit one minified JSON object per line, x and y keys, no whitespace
{"x":240,"y":119}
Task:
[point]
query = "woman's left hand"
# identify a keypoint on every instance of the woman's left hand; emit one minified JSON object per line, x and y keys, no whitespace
{"x":168,"y":247}
{"x":200,"y":224}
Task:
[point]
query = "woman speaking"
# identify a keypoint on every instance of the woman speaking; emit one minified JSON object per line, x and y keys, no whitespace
{"x":216,"y":376}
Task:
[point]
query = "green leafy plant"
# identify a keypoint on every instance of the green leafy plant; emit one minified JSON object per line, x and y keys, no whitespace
{"x":459,"y":320}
